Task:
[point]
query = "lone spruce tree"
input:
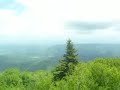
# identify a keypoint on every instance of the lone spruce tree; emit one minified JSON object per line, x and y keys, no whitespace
{"x":67,"y":64}
{"x":70,"y":56}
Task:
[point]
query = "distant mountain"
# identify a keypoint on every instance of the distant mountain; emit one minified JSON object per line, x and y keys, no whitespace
{"x":88,"y":51}
{"x":35,"y":57}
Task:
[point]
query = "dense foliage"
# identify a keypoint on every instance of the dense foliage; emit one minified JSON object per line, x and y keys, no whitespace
{"x":99,"y":74}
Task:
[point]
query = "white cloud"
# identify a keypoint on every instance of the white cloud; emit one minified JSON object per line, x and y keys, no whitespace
{"x":75,"y":9}
{"x":45,"y":19}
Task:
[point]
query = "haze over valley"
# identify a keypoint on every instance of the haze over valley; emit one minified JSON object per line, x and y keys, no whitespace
{"x":35,"y":57}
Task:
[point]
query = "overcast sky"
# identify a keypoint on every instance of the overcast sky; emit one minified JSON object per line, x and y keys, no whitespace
{"x":84,"y":21}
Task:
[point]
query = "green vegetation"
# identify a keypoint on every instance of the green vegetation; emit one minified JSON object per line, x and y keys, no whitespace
{"x":99,"y":74}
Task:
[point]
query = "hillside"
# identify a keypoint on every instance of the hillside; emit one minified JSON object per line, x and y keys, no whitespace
{"x":88,"y":51}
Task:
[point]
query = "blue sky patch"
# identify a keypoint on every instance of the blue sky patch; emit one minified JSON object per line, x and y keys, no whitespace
{"x":12,"y":5}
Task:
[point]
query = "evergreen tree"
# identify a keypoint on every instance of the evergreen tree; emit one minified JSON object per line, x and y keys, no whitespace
{"x":70,"y":56}
{"x":66,"y":65}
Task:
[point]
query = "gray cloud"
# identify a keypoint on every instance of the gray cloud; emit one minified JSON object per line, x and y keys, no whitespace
{"x":88,"y":26}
